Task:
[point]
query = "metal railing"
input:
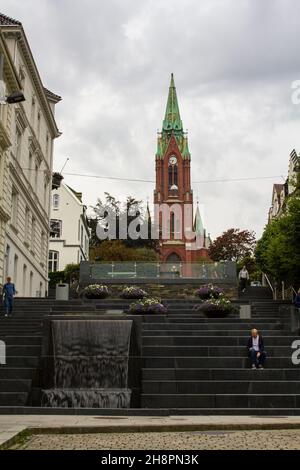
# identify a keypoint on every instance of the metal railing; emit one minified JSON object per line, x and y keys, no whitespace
{"x":210,"y":271}
{"x":273,"y":289}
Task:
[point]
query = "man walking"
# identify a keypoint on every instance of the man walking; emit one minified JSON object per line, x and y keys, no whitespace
{"x":244,"y":278}
{"x":9,"y":292}
{"x":256,"y":350}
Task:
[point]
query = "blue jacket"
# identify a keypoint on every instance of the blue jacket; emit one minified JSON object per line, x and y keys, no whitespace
{"x":297,"y":301}
{"x":9,"y":290}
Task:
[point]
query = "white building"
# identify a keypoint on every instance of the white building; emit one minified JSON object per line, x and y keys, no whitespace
{"x":10,"y":81}
{"x":282,"y":191}
{"x":69,"y":232}
{"x":27,"y":159}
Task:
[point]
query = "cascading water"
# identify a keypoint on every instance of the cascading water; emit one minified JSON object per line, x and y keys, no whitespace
{"x":90,"y":364}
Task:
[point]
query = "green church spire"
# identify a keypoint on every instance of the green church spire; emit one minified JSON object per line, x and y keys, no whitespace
{"x":172,"y":121}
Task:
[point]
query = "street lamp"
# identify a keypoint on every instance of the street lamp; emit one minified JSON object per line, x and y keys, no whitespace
{"x":15,"y":97}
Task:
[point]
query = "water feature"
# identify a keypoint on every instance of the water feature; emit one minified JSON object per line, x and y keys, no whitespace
{"x":90,"y":364}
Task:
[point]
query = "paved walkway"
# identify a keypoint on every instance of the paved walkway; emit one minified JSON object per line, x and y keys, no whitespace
{"x":12,"y":425}
{"x":285,"y":439}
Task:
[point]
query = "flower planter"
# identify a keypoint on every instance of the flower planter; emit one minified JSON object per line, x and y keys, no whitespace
{"x":95,"y":291}
{"x":134,"y":293}
{"x":216,"y":313}
{"x":147,"y":307}
{"x":96,"y":296}
{"x":208,"y":292}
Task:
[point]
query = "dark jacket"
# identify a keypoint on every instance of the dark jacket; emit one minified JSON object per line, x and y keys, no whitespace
{"x":297,"y":301}
{"x":260,"y":343}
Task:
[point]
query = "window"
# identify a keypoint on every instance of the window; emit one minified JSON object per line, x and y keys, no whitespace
{"x":14,"y":207}
{"x":22,"y":77}
{"x":81,"y":237}
{"x":24,"y":279}
{"x":32,"y":111}
{"x":55,"y":201}
{"x":55,"y":228}
{"x":18,"y":144}
{"x":30,"y":283}
{"x":16,"y":260}
{"x":172,"y":223}
{"x":36,"y":178}
{"x":7,"y":260}
{"x":43,"y":240}
{"x":38,"y":125}
{"x":173,"y":176}
{"x":53,"y":261}
{"x":27,"y":220}
{"x":47,"y":146}
{"x":46,"y":203}
{"x":30,"y":159}
{"x":33,"y":230}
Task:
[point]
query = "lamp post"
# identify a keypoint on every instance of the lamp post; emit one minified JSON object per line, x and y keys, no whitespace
{"x":16,"y":96}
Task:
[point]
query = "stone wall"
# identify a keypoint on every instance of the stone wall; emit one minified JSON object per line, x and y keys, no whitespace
{"x":172,"y":291}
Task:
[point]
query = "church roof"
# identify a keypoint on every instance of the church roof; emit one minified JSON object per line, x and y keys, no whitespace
{"x":198,"y":224}
{"x":7,"y":21}
{"x":172,"y":125}
{"x":172,"y":120}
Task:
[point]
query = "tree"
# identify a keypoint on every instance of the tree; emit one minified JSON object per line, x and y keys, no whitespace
{"x":232,"y":245}
{"x":116,"y":250}
{"x":278,"y":251}
{"x":124,"y":215}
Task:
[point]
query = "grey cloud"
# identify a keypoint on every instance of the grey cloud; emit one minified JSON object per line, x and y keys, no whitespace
{"x":234,"y":62}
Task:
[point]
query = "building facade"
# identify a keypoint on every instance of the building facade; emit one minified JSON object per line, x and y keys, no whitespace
{"x":28,"y":161}
{"x":9,"y":83}
{"x":69,"y":232}
{"x":182,"y":237}
{"x":283,"y":190}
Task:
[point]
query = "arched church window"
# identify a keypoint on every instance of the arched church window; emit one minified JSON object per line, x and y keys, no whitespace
{"x":173,"y":173}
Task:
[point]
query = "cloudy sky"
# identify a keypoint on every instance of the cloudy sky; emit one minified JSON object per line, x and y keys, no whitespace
{"x":234,"y":63}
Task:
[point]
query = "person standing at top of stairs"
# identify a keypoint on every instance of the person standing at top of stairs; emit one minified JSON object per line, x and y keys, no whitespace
{"x":243,"y":278}
{"x":8,"y":293}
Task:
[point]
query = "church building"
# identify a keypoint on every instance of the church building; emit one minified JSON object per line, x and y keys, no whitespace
{"x":182,"y":237}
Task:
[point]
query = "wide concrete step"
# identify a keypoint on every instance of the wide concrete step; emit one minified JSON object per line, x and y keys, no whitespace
{"x":210,"y":326}
{"x":22,"y":340}
{"x":207,"y":362}
{"x":211,"y":351}
{"x":220,"y":387}
{"x":203,"y":319}
{"x":15,"y":385}
{"x":220,"y":401}
{"x":221,"y":374}
{"x":23,"y":350}
{"x":25,"y":332}
{"x":72,"y":308}
{"x":227,"y":324}
{"x":16,"y":372}
{"x":13,"y":398}
{"x":20,"y":361}
{"x":213,"y":333}
{"x":186,"y":340}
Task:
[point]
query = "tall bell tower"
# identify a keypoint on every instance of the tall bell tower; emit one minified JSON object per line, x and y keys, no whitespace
{"x":173,"y":189}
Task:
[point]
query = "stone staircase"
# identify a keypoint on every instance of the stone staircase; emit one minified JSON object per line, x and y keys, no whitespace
{"x":191,"y":364}
{"x":195,"y":365}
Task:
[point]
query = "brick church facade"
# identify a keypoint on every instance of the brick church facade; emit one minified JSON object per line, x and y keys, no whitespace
{"x":182,"y":238}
